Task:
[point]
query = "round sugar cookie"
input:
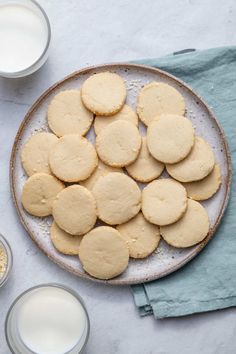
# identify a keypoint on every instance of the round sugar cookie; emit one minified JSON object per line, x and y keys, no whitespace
{"x":158,"y":98}
{"x":104,"y":93}
{"x":101,"y":170}
{"x":73,"y":158}
{"x":118,"y":198}
{"x":74,"y":210}
{"x":39,"y":192}
{"x":197,"y":165}
{"x":164,"y":201}
{"x":64,"y":242}
{"x":145,"y":168}
{"x":68,"y":115}
{"x":119,"y":143}
{"x":141,"y":236}
{"x":103,"y":253}
{"x":206,"y":188}
{"x":35,"y":153}
{"x":170,"y":138}
{"x":190,"y":230}
{"x":126,"y":113}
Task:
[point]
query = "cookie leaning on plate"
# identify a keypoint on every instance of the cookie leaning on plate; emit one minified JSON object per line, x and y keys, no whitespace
{"x":145,"y":168}
{"x":191,"y":229}
{"x":67,"y":114}
{"x":103,"y":253}
{"x":101,"y":170}
{"x":170,"y":138}
{"x":118,"y":198}
{"x":126,"y":113}
{"x":64,"y":242}
{"x":141,"y":236}
{"x":197,"y":165}
{"x":73,"y":158}
{"x":158,"y":98}
{"x":104,"y":93}
{"x":119,"y":143}
{"x":74,"y":210}
{"x":39,"y":193}
{"x":164,"y":201}
{"x":205,"y":188}
{"x":35,"y":153}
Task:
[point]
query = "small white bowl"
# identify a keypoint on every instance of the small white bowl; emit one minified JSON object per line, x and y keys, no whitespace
{"x":6,"y":246}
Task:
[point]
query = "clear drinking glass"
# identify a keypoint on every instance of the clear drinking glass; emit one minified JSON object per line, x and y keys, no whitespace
{"x":37,"y":9}
{"x":13,"y":338}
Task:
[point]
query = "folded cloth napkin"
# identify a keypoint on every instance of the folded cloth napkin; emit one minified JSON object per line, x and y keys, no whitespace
{"x":209,"y":281}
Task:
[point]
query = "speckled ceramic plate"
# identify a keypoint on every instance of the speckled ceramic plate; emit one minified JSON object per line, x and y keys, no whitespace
{"x":166,"y":259}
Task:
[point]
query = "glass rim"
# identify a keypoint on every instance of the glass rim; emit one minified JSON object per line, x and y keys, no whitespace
{"x":44,"y":285}
{"x":24,"y":72}
{"x":8,"y":250}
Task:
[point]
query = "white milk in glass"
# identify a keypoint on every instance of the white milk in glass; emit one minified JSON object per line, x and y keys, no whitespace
{"x":51,"y":320}
{"x":23,"y":37}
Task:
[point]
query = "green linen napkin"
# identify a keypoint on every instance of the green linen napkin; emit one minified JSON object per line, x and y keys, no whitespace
{"x":209,"y":281}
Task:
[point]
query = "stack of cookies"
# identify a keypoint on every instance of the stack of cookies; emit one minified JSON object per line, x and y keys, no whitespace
{"x":83,"y":185}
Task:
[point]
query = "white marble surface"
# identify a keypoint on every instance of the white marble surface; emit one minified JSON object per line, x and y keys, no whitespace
{"x":89,"y":32}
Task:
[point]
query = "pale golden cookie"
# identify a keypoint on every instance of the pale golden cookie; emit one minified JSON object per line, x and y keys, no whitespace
{"x":119,"y":143}
{"x":103,"y":253}
{"x":170,"y":138}
{"x":126,"y":113}
{"x":164,"y":201}
{"x":68,"y":115}
{"x":197,"y":165}
{"x":141,"y":236}
{"x":73,"y":158}
{"x":190,"y":230}
{"x":64,"y":242}
{"x":158,"y":98}
{"x":39,"y":192}
{"x":35,"y":153}
{"x":101,"y":170}
{"x":74,"y":210}
{"x":104,"y":93}
{"x":206,"y":188}
{"x":145,"y":168}
{"x":118,"y":198}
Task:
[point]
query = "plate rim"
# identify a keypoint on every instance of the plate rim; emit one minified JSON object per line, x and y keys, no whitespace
{"x":117,"y":281}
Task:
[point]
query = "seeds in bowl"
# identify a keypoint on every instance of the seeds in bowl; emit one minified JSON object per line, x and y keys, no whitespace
{"x":3,"y":261}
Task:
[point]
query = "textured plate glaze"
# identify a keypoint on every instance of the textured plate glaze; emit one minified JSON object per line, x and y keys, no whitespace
{"x":166,"y":259}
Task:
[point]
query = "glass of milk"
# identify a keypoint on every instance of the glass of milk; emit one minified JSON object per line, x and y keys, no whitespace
{"x":25,"y":36}
{"x":47,"y":319}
